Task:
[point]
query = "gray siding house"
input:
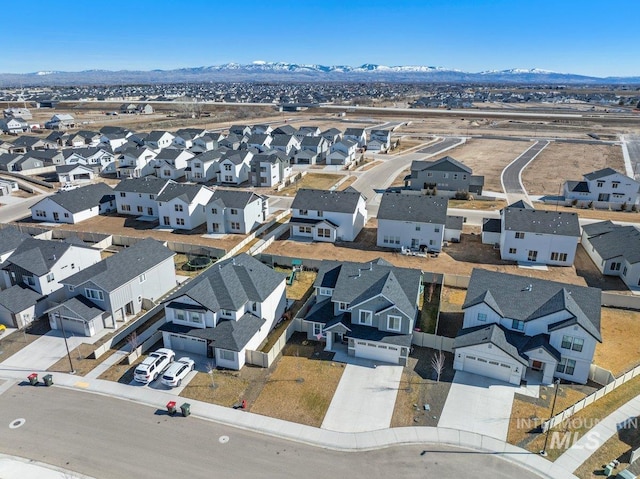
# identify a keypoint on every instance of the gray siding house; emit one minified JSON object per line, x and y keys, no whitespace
{"x":447,"y":176}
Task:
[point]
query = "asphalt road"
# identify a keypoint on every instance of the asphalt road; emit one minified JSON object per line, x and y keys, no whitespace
{"x":106,"y":438}
{"x":511,"y":174}
{"x":14,"y":211}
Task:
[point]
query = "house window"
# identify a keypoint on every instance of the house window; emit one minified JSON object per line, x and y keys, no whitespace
{"x":140,"y":210}
{"x":66,"y":215}
{"x":123,"y":194}
{"x":142,"y":278}
{"x":575,"y":344}
{"x":391,"y":239}
{"x":195,"y":318}
{"x":179,"y":314}
{"x":615,"y":266}
{"x":559,"y":257}
{"x":214,"y":211}
{"x":437,"y":229}
{"x":393,"y":323}
{"x":317,"y":329}
{"x":178,"y":207}
{"x":320,"y":214}
{"x":600,"y":184}
{"x":180,"y":221}
{"x":519,"y":235}
{"x":235,"y":225}
{"x":228,"y":178}
{"x":94,"y":294}
{"x":482,"y":317}
{"x":517,"y":325}
{"x":429,"y":174}
{"x":234,"y":211}
{"x":227,"y":167}
{"x":615,"y":185}
{"x":512,"y":250}
{"x":70,"y":287}
{"x":49,"y":277}
{"x":254,"y":306}
{"x":41,"y":213}
{"x":566,"y":366}
{"x":343,"y":306}
{"x":302,"y":212}
{"x":417,"y":227}
{"x":304,"y":229}
{"x":227,"y":355}
{"x":151,"y":197}
{"x":326,"y":291}
{"x":365,"y":318}
{"x":324,"y":233}
{"x":29,"y":280}
{"x":455,"y":176}
{"x":624,"y":271}
{"x":126,"y":208}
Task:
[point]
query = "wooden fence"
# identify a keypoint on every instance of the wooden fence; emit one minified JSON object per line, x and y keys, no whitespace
{"x":590,"y":399}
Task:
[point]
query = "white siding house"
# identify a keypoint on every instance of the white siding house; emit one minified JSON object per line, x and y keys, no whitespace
{"x":604,"y":188}
{"x":234,"y":211}
{"x":180,"y":205}
{"x":137,"y":196}
{"x":75,"y":205}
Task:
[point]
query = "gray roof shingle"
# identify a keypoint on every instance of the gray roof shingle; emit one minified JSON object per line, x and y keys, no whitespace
{"x":541,"y":221}
{"x":183,"y":191}
{"x":17,"y":298}
{"x":10,"y":238}
{"x":325,"y":200}
{"x":81,"y":306}
{"x":443,"y":164}
{"x":594,"y":175}
{"x":414,"y":208}
{"x":81,"y":199}
{"x":234,"y":198}
{"x":37,"y":256}
{"x":612,"y":241}
{"x":147,"y":184}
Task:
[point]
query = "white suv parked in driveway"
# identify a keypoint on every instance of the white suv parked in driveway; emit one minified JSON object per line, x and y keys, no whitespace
{"x":149,"y":369}
{"x":175,"y":373}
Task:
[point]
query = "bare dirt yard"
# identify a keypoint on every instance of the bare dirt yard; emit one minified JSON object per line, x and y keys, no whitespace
{"x":560,"y":161}
{"x":317,"y":181}
{"x":620,"y":347}
{"x":456,"y":258}
{"x":488,"y":158}
{"x":603,"y":214}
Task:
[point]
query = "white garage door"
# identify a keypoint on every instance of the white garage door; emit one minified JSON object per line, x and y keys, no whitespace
{"x":188,"y":344}
{"x":488,"y":368}
{"x":377,"y":351}
{"x":74,"y":326}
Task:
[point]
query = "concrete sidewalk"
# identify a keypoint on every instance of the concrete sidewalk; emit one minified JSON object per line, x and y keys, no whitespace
{"x":340,"y":441}
{"x":19,"y":468}
{"x":579,"y":452}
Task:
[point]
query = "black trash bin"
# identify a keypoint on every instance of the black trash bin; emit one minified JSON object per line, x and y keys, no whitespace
{"x":186,"y":409}
{"x":48,"y":379}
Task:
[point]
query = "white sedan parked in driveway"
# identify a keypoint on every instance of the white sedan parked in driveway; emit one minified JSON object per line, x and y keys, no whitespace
{"x":177,"y":371}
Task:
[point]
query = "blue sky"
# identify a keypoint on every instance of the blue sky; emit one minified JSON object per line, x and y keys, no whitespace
{"x":576,"y":36}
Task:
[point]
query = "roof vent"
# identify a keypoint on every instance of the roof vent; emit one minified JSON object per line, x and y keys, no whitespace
{"x":527,"y":288}
{"x":370,"y":265}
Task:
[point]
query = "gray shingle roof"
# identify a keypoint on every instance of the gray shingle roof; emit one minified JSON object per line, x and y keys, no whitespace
{"x":526,"y":299}
{"x":612,"y":241}
{"x":578,"y":186}
{"x":68,"y":168}
{"x":541,"y":221}
{"x":156,"y":135}
{"x":185,"y":192}
{"x":81,"y":307}
{"x":414,"y":208}
{"x":234,"y":198}
{"x":10,"y":238}
{"x":325,"y":200}
{"x":594,"y":175}
{"x":355,"y":283}
{"x":454,"y":222}
{"x":147,"y":184}
{"x":117,"y":270}
{"x":231,"y":283}
{"x":443,"y":164}
{"x":81,"y":199}
{"x":491,"y":225}
{"x":37,"y":256}
{"x":18,"y":298}
{"x":281,"y":140}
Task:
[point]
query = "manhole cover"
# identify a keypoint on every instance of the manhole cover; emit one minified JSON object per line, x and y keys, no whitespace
{"x":224,"y":439}
{"x":17,"y":423}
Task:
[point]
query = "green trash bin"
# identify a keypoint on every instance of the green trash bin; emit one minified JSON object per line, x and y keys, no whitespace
{"x":33,"y":379}
{"x":186,"y":409}
{"x":48,"y":379}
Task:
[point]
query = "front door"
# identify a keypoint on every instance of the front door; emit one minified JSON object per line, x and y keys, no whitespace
{"x":166,"y":221}
{"x":150,"y":211}
{"x":337,"y":338}
{"x":415,"y":243}
{"x":533,"y":255}
{"x":537,"y":365}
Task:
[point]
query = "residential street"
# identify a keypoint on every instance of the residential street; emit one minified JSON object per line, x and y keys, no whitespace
{"x":105,"y":438}
{"x":511,"y":181}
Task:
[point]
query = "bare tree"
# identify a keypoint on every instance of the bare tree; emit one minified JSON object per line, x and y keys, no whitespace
{"x":211,"y":368}
{"x":437,"y":363}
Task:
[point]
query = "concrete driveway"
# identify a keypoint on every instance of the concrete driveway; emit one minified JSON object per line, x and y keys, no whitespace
{"x":478,"y":404}
{"x":364,"y":399}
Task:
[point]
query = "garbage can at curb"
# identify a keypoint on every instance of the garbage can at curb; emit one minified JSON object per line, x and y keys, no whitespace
{"x":171,"y":407}
{"x":186,"y":409}
{"x":33,"y":379}
{"x":48,"y":379}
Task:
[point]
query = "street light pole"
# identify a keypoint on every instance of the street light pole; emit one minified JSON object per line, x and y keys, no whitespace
{"x":553,"y":406}
{"x":66,"y":344}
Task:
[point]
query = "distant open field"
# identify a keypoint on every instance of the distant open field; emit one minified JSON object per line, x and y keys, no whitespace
{"x":559,"y":162}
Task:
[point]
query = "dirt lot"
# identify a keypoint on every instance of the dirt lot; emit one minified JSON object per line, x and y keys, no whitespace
{"x":620,"y":347}
{"x":318,"y":181}
{"x":592,"y":214}
{"x":419,"y":387}
{"x":457,"y":258}
{"x":11,"y":343}
{"x":559,"y":162}
{"x":128,"y":226}
{"x":488,"y":158}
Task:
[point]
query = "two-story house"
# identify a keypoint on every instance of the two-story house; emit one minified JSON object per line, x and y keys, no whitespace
{"x":10,"y":238}
{"x":413,"y":221}
{"x":358,"y":135}
{"x":112,"y":290}
{"x":43,"y":264}
{"x":269,"y":169}
{"x":288,"y":144}
{"x":170,"y":164}
{"x":158,"y":139}
{"x":447,"y":176}
{"x":235,"y":211}
{"x":517,"y":327}
{"x":370,"y":307}
{"x":342,"y":152}
{"x":136,"y":162}
{"x":538,"y":236}
{"x":379,"y":140}
{"x":330,"y":216}
{"x":137,"y":196}
{"x":259,"y":141}
{"x":180,"y":205}
{"x":205,"y":166}
{"x":603,"y":188}
{"x":315,"y":144}
{"x":615,"y":250}
{"x":75,"y":205}
{"x":235,"y":167}
{"x":225,"y":311}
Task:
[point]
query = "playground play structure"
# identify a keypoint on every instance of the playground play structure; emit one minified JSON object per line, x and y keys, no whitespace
{"x":296,"y":267}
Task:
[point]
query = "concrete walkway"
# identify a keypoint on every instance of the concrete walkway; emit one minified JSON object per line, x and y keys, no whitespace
{"x":364,"y":399}
{"x":19,"y":468}
{"x":601,"y":433}
{"x":478,"y":404}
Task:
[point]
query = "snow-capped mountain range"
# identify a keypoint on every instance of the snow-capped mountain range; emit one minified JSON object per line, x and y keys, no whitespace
{"x":290,"y":72}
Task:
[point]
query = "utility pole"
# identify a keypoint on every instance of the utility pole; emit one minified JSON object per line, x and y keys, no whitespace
{"x":543,"y":453}
{"x":66,"y":344}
